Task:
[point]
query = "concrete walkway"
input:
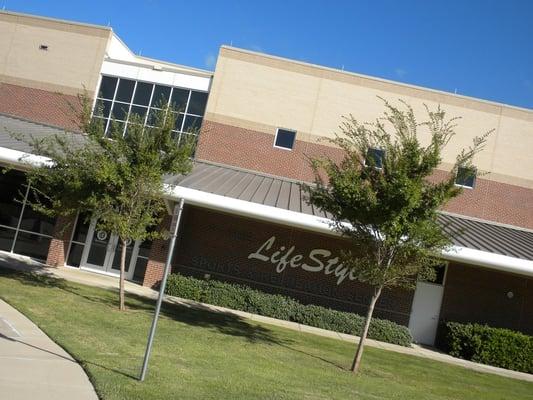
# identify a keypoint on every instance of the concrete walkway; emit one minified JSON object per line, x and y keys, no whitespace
{"x":109,"y":282}
{"x":32,"y":366}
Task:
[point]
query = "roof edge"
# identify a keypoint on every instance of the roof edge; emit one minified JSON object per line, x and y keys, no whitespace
{"x":323,"y":226}
{"x":57,"y":20}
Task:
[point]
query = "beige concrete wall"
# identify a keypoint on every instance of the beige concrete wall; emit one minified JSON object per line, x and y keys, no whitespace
{"x":261,"y":92}
{"x":73,"y":59}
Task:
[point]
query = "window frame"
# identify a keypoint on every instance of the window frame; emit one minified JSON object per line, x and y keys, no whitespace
{"x":293,"y":140}
{"x":108,"y":120}
{"x":382,"y":157}
{"x":474,"y":169}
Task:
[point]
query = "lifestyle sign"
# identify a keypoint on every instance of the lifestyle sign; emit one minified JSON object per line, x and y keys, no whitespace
{"x":317,"y":260}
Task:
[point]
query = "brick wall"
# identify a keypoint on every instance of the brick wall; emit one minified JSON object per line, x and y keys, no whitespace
{"x":474,"y":294}
{"x":158,"y":256}
{"x":489,"y":200}
{"x":40,"y":106}
{"x":218,"y":244}
{"x":254,"y":150}
{"x":57,"y":251}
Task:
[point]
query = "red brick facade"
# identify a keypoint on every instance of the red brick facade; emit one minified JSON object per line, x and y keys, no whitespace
{"x":157,"y":257}
{"x":40,"y":106}
{"x":57,"y":251}
{"x":473,"y":294}
{"x":489,"y":200}
{"x":254,"y":150}
{"x":219,"y":245}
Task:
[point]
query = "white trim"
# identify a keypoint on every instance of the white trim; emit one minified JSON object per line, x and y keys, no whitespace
{"x":148,"y":74}
{"x":293,"y":141}
{"x":323,"y":225}
{"x":22,"y":159}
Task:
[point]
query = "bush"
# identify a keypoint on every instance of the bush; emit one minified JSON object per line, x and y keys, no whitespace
{"x":493,"y":346}
{"x":244,"y":298}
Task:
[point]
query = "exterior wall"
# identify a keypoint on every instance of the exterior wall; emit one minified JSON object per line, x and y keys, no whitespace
{"x":260,"y":92}
{"x":157,"y":258}
{"x":489,"y":200}
{"x":42,"y":85}
{"x":254,"y":94}
{"x":219,"y":245}
{"x":57,"y":252}
{"x":473,"y":294}
{"x":71,"y":63}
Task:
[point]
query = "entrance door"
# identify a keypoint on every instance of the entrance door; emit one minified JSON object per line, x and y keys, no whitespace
{"x":425,"y":312}
{"x":102,"y":252}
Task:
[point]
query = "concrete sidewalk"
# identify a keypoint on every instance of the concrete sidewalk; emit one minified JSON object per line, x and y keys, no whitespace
{"x":32,"y":366}
{"x":109,"y":282}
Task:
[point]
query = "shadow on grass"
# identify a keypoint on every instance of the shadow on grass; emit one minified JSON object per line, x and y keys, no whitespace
{"x":198,"y":316}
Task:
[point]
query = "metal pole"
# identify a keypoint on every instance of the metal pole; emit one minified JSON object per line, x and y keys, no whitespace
{"x":176,"y":217}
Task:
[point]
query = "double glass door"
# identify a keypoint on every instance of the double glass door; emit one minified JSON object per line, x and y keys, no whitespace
{"x":103,"y":250}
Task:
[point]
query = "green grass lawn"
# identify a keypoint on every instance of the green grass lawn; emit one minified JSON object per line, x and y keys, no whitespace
{"x":203,"y":355}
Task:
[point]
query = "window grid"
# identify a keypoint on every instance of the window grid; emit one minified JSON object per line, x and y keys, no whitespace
{"x":149,"y":108}
{"x":18,"y":229}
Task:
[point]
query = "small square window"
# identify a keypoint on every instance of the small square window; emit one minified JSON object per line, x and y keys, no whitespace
{"x":466,"y":177}
{"x":285,"y":139}
{"x":374,"y":158}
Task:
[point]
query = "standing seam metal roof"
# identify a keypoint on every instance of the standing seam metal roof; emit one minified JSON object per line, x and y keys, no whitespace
{"x":289,"y":195}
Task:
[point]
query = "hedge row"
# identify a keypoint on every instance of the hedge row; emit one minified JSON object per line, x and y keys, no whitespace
{"x":493,"y":346}
{"x":243,"y":298}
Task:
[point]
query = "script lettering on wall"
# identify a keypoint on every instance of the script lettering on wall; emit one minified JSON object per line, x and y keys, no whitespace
{"x":317,"y":260}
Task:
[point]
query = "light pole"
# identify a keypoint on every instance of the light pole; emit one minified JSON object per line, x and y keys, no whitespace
{"x":176,"y":217}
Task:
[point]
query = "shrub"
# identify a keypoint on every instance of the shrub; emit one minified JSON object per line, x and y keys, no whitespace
{"x":244,"y":298}
{"x":493,"y":346}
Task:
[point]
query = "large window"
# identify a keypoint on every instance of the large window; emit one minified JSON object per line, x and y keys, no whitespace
{"x":119,"y":98}
{"x":22,"y":230}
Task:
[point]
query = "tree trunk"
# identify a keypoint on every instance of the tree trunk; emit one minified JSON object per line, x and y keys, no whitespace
{"x":359,"y":353}
{"x":122,"y":273}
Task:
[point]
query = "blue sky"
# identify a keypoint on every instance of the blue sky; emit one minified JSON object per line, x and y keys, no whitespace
{"x":480,"y":48}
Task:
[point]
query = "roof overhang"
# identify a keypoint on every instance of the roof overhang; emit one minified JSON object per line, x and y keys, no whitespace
{"x":288,"y":218}
{"x":323,"y":225}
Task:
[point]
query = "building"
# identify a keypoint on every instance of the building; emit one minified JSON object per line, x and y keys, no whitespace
{"x":245,"y":215}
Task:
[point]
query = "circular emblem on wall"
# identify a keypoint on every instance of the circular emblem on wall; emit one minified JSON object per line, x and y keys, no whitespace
{"x":128,"y":242}
{"x":101,"y":235}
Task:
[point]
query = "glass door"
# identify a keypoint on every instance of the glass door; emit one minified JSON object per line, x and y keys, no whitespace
{"x":132,"y":248}
{"x":102,"y":252}
{"x":97,"y":248}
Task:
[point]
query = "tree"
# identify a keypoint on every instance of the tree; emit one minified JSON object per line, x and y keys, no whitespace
{"x":381,"y":197}
{"x":115,"y":178}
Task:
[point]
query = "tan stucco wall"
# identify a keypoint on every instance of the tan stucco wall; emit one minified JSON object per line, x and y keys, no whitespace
{"x":261,"y":92}
{"x":73,"y":59}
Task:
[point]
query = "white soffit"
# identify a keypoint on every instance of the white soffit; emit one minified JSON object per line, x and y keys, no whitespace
{"x":148,"y":74}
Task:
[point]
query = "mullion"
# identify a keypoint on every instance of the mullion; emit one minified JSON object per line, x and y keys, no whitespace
{"x":20,"y":218}
{"x":112,"y":105}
